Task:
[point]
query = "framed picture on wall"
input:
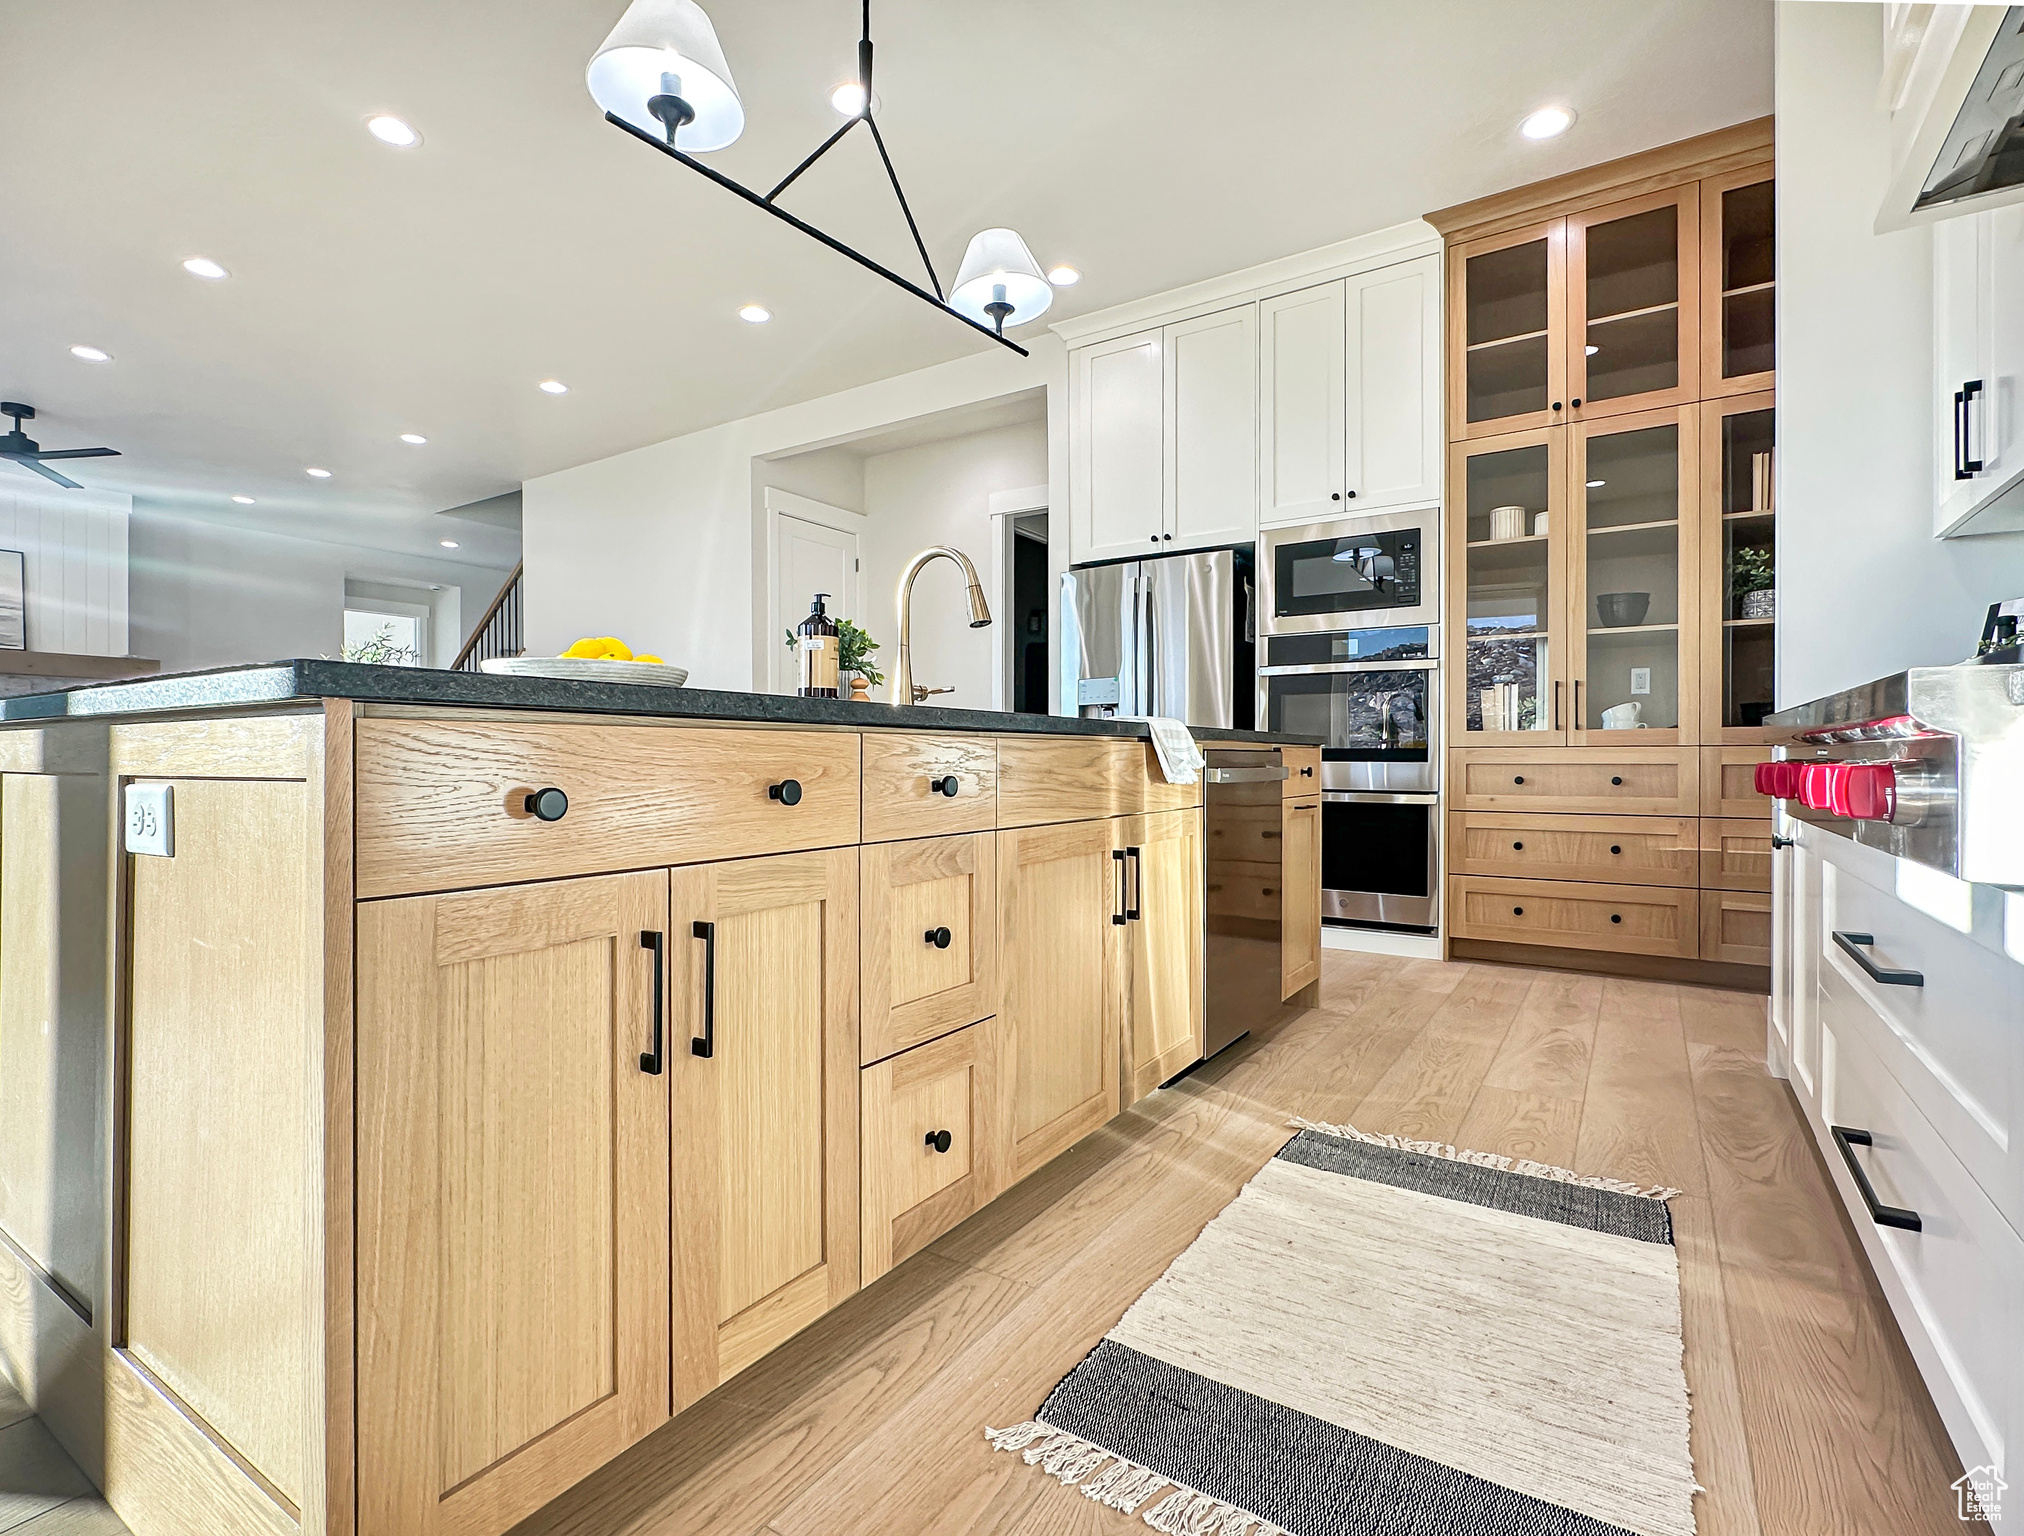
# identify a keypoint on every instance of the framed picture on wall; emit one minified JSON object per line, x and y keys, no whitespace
{"x":13,"y":605}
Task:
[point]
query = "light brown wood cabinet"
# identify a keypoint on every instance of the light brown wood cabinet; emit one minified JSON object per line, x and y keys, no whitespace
{"x":1163,"y":915}
{"x":1631,"y":919}
{"x":1300,"y":900}
{"x":513,"y":1255}
{"x":930,"y":947}
{"x":762,"y":1055}
{"x":1613,"y":850}
{"x":1065,"y":986}
{"x":1633,"y":781}
{"x":1736,"y":927}
{"x":928,"y":784}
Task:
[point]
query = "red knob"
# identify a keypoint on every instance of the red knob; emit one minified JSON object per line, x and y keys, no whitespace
{"x":1779,"y":780}
{"x":1869,"y":792}
{"x":1816,"y":785}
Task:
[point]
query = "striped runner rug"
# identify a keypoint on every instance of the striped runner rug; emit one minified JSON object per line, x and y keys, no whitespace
{"x":1381,"y":1337}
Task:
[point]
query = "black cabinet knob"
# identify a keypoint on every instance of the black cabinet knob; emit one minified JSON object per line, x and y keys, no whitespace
{"x":941,"y":1141}
{"x":1154,"y":539}
{"x":1517,"y":847}
{"x":787,"y":791}
{"x":948,"y":785}
{"x":1168,"y":537}
{"x":1556,"y":405}
{"x":939,"y":937}
{"x":1335,"y":495}
{"x":1307,"y":772}
{"x":1616,"y":779}
{"x":549,"y":804}
{"x":1350,"y":494}
{"x":1517,"y":911}
{"x":1615,"y":848}
{"x":1575,"y":402}
{"x":1518,"y":778}
{"x":1616,"y":917}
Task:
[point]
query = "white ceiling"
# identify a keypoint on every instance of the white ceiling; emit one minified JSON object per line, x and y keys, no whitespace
{"x":376,"y":291}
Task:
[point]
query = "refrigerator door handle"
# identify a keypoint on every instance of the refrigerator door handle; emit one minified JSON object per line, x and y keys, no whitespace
{"x":1151,"y":700}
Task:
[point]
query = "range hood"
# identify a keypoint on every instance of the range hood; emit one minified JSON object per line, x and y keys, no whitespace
{"x":1958,"y":113}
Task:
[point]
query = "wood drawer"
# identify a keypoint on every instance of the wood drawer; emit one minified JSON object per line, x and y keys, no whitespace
{"x":1622,"y":781}
{"x":1627,"y":919}
{"x":1303,"y":771}
{"x":1629,"y":850}
{"x":441,"y":803}
{"x":1736,"y":926}
{"x":913,"y":1191}
{"x":1735,"y":855}
{"x":903,"y":778}
{"x":1044,"y":779}
{"x":928,"y":914}
{"x":1729,"y":782}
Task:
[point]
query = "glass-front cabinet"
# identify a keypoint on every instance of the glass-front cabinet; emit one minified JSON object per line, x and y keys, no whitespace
{"x":1507,"y":512}
{"x":1739,"y":614}
{"x":1633,"y":304}
{"x":1633,"y":579}
{"x":1738,"y":283}
{"x":1507,"y":364}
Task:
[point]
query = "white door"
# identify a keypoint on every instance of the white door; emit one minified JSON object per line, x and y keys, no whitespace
{"x":1212,"y":430}
{"x":1118,"y":448}
{"x":808,"y":558}
{"x":1300,"y":465}
{"x":1392,"y":345}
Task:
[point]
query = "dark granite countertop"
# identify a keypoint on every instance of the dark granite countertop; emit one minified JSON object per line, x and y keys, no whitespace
{"x":280,"y":682}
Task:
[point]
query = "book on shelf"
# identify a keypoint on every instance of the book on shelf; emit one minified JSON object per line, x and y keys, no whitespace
{"x":1762,"y":482}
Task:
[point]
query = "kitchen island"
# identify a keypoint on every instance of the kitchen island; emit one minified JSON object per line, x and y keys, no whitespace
{"x":415,"y":1087}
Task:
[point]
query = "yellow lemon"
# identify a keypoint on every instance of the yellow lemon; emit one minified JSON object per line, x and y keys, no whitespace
{"x":617,"y":650}
{"x":643,"y":656}
{"x":586,"y":649}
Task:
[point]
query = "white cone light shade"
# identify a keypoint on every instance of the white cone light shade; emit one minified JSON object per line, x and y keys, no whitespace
{"x":672,"y":37}
{"x":998,"y":258}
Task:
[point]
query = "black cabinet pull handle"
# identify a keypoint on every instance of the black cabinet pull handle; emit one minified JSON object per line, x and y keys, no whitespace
{"x":650,"y":1061}
{"x":1960,"y":415}
{"x":787,"y":791}
{"x":549,"y":804}
{"x":939,"y":937}
{"x":1883,"y":975}
{"x":1973,"y":466}
{"x":948,"y":785}
{"x":1556,"y":687}
{"x":940,"y":1141}
{"x":1783,"y":842}
{"x":1883,"y":1215}
{"x":706,"y":1045}
{"x":1117,"y":916}
{"x":1135,"y":886}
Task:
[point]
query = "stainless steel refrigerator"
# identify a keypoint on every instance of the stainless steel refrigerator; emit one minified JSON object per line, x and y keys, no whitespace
{"x":1172,"y":636}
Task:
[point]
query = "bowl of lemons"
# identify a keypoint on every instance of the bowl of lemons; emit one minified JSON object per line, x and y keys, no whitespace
{"x":593,"y":659}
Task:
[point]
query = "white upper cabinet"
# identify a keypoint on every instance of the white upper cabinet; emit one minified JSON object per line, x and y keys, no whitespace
{"x":1117,"y":447}
{"x":1978,"y":372}
{"x":1301,"y":378}
{"x":1212,"y":436}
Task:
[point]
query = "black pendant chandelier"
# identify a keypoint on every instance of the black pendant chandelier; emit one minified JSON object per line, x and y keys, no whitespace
{"x":661,"y":76}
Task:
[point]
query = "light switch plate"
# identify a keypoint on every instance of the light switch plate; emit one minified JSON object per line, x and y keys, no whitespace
{"x":1640,"y":679}
{"x":151,"y":820}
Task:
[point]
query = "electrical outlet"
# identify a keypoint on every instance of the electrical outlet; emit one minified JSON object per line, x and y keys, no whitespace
{"x":151,"y":820}
{"x":1640,"y":679}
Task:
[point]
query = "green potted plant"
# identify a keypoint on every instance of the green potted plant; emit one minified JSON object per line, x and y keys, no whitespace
{"x":853,"y":657}
{"x":1751,"y":581}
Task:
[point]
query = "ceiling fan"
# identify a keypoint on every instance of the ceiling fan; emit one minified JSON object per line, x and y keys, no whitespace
{"x":23,"y":450}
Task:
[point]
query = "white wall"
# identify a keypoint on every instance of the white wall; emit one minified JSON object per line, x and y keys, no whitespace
{"x":212,"y":595}
{"x":1864,"y":589}
{"x":664,"y":547}
{"x":74,"y":549}
{"x":940,"y":493}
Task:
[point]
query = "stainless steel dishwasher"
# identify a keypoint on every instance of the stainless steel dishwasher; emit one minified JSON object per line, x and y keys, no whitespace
{"x":1242,"y":863}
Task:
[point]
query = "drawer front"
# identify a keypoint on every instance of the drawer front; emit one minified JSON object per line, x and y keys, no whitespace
{"x":1625,"y":781}
{"x":913,"y":1190}
{"x":929,"y":949}
{"x":441,"y":805}
{"x":1959,"y":1276}
{"x":1044,"y":779}
{"x":906,"y":778}
{"x":1736,"y":927}
{"x":1735,"y":854}
{"x":1613,"y":850}
{"x":1303,"y":771}
{"x":1955,"y":1044}
{"x":1626,"y":919}
{"x":1729,"y":782}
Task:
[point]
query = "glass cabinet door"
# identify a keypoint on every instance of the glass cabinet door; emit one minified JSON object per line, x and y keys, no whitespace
{"x":1738,"y":282}
{"x":1507,"y":358}
{"x":1506,"y":602}
{"x":1738,"y":570}
{"x":1633,"y":587}
{"x":1634,"y":301}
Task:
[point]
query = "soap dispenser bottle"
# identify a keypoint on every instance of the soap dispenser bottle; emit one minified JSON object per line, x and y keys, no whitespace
{"x":816,"y":645}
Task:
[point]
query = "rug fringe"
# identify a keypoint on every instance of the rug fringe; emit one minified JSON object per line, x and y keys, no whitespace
{"x":1496,"y":1160}
{"x":1124,"y":1485}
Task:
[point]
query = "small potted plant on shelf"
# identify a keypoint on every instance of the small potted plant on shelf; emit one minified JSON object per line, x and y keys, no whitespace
{"x":1750,"y":580}
{"x":853,"y":658}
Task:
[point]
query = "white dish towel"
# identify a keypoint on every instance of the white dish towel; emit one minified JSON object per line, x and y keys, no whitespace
{"x":1180,"y":759}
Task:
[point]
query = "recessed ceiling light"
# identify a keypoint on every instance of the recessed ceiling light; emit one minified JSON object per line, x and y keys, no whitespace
{"x":848,"y":98}
{"x":1063,"y":276}
{"x":447,"y":543}
{"x":1547,"y":123}
{"x":755,"y":314}
{"x":204,"y":267}
{"x":554,"y":387}
{"x":317,"y":474}
{"x":91,"y":354}
{"x":391,"y":130}
{"x":1590,"y":350}
{"x":244,"y":501}
{"x":415,"y":438}
{"x":1594,"y":483}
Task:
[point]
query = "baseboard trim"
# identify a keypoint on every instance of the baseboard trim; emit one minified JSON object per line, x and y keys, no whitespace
{"x":1699,"y":973}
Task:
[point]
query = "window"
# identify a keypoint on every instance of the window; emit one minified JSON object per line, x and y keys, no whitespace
{"x":387,"y":634}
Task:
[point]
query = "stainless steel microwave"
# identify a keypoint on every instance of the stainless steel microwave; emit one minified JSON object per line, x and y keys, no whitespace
{"x":1351,"y":573}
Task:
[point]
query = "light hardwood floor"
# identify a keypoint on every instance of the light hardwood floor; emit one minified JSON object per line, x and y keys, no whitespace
{"x":1809,"y":1417}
